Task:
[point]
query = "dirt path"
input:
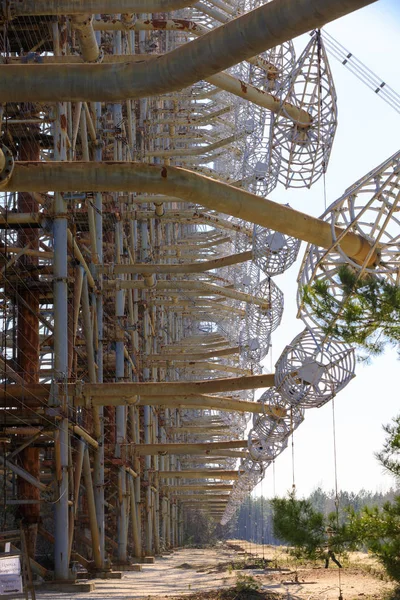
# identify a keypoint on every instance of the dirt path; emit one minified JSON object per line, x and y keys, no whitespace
{"x":169,"y":576}
{"x":192,"y":570}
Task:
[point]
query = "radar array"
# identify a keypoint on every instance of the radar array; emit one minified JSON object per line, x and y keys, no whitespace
{"x":139,"y":256}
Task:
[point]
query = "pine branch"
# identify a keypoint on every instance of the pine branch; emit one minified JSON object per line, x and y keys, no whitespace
{"x":368,"y":315}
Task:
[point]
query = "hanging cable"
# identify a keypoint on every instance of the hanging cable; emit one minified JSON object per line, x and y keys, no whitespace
{"x":320,"y":91}
{"x":336,"y":487}
{"x":262,"y":523}
{"x":362,"y":72}
{"x":293,"y":476}
{"x":273,"y":478}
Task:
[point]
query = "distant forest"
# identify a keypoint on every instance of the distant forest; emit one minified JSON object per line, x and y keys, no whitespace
{"x":253,"y":520}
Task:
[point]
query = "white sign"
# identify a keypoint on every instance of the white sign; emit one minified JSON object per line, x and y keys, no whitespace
{"x":10,"y":575}
{"x":10,"y":565}
{"x":10,"y":584}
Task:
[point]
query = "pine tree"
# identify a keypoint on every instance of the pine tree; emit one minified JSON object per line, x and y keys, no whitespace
{"x":368,"y":314}
{"x":297,"y":523}
{"x":379,"y":530}
{"x":389,"y":457}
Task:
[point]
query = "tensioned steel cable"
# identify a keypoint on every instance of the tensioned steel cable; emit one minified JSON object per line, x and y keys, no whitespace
{"x":361,"y":71}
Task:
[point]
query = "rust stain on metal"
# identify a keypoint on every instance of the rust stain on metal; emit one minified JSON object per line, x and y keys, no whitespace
{"x":159,"y":23}
{"x":243,"y":86}
{"x":63,"y":122}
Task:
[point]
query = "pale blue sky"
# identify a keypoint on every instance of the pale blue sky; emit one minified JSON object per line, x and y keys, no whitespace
{"x":368,"y":133}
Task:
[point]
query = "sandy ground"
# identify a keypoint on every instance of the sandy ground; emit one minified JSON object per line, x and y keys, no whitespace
{"x":193,"y":570}
{"x":362,"y":578}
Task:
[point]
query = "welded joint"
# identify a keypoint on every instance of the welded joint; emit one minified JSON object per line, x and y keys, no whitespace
{"x":159,"y":210}
{"x":128,"y":21}
{"x":132,"y":400}
{"x":150,"y":281}
{"x":57,"y":215}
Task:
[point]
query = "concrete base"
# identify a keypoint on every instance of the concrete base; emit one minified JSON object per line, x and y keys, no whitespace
{"x":100,"y":575}
{"x":67,"y":587}
{"x":149,"y":560}
{"x":108,"y":574}
{"x":132,"y":567}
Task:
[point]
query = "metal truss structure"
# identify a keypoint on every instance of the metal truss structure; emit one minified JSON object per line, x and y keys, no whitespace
{"x":138,"y":250}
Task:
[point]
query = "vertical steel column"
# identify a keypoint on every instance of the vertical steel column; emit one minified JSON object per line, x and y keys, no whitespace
{"x":156,"y":494}
{"x":137,"y":542}
{"x":169,"y":240}
{"x":59,"y":396}
{"x":135,"y":434}
{"x":147,"y":409}
{"x":120,"y":449}
{"x":98,"y":464}
{"x":177,"y":468}
{"x":136,"y":532}
{"x":164,"y":501}
{"x":121,"y":412}
{"x":149,"y":522}
{"x":88,"y":332}
{"x":60,"y":271}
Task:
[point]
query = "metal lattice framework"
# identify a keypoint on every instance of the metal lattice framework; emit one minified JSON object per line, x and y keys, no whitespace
{"x":302,"y":150}
{"x":312,"y":369}
{"x":261,"y":321}
{"x":273,"y":251}
{"x":137,"y":251}
{"x":369,"y":208}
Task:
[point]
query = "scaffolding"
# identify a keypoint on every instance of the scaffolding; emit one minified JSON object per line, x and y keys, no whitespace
{"x":138,"y":250}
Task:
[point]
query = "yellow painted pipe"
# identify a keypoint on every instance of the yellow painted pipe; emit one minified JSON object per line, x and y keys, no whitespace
{"x":187,"y":448}
{"x":200,"y":474}
{"x":179,"y":388}
{"x":70,"y":7}
{"x":198,"y":267}
{"x":240,"y":39}
{"x":190,"y":186}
